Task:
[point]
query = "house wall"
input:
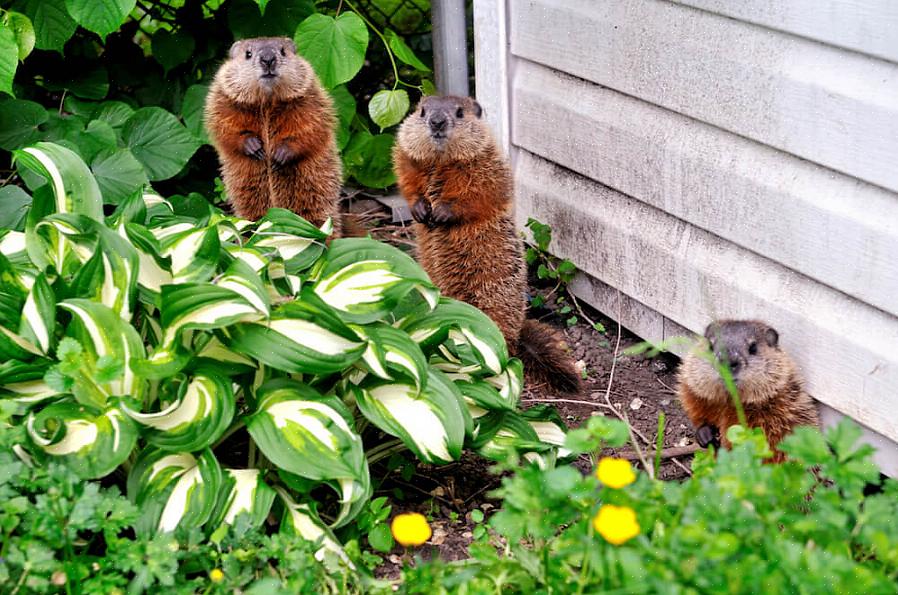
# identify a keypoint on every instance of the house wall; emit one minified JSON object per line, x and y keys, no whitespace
{"x":702,"y":159}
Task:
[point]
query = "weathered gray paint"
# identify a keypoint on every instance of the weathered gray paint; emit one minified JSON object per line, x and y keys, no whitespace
{"x":708,"y":158}
{"x":450,"y":48}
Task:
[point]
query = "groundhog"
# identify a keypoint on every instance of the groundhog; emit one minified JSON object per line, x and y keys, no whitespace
{"x":767,"y":379}
{"x":459,"y":189}
{"x":273,"y":124}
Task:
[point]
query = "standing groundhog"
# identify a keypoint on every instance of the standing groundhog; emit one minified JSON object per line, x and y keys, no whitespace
{"x":273,"y":127}
{"x":769,"y":386}
{"x":460,"y":192}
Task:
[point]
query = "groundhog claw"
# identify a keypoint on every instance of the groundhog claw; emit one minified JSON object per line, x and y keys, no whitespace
{"x":706,"y":435}
{"x":442,"y":214}
{"x":281,"y":156}
{"x":252,"y":146}
{"x":421,"y":211}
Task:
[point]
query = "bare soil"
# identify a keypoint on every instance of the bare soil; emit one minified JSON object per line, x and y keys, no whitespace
{"x":633,"y":388}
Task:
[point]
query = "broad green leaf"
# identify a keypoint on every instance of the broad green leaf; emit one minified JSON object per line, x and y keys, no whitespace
{"x":175,"y":491}
{"x":19,"y":121}
{"x":548,"y":425}
{"x":368,"y":159}
{"x":280,"y":18}
{"x":364,"y":279}
{"x":304,"y":433}
{"x":9,"y":57}
{"x":89,"y":82}
{"x":192,"y":111}
{"x":24,"y":381}
{"x":200,"y":414}
{"x":98,"y":137}
{"x":482,"y":398}
{"x":154,"y":270}
{"x":172,"y":48}
{"x":431,"y":423}
{"x":14,"y":205}
{"x":100,"y":16}
{"x":334,"y":46}
{"x":52,"y":24}
{"x":403,"y":52}
{"x":390,"y":351}
{"x":159,"y":142}
{"x":114,"y":113}
{"x":39,"y":316}
{"x":501,"y":431}
{"x":302,"y":520}
{"x":243,"y":491}
{"x":74,"y":188}
{"x":23,"y":31}
{"x":303,"y":336}
{"x":194,"y":252}
{"x":463,"y":327}
{"x":119,"y":174}
{"x":262,"y":4}
{"x":297,"y":242}
{"x":92,"y":444}
{"x":206,"y":306}
{"x":344,"y":103}
{"x":387,"y":108}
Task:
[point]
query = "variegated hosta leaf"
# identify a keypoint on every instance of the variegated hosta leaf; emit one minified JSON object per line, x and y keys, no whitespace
{"x":92,"y":444}
{"x":431,"y":423}
{"x":173,"y":490}
{"x":38,"y":319}
{"x":63,"y":240}
{"x":548,"y":425}
{"x":214,"y":350}
{"x":304,"y":433}
{"x":24,"y":382}
{"x":470,"y":333}
{"x":154,"y":270}
{"x":132,"y":209}
{"x":102,"y":333}
{"x":302,"y":520}
{"x":390,"y":349}
{"x":364,"y":279}
{"x":156,"y":206}
{"x":500,"y":432}
{"x":482,"y":398}
{"x":201,"y":413}
{"x":255,"y":259}
{"x":194,"y":252}
{"x":110,"y":275}
{"x":510,"y":382}
{"x":297,"y":242}
{"x":73,"y":186}
{"x":303,"y":336}
{"x":243,"y":492}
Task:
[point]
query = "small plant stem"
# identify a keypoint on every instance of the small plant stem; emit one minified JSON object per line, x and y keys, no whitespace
{"x":230,"y":432}
{"x":659,"y":443}
{"x":251,"y":463}
{"x":591,"y":322}
{"x":584,"y":568}
{"x":382,"y":38}
{"x":385,"y":450}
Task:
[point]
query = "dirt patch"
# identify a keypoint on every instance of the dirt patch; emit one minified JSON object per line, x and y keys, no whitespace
{"x":640,"y":389}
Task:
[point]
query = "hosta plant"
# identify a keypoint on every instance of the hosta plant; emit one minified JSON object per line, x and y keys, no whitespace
{"x":229,"y":367}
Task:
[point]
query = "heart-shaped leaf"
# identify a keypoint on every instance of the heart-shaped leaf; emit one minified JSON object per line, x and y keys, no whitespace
{"x":100,"y":16}
{"x":159,"y":142}
{"x":387,"y":108}
{"x":334,"y":46}
{"x":172,"y":49}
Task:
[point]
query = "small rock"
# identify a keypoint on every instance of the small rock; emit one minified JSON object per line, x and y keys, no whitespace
{"x":438,"y":492}
{"x":635,"y":403}
{"x":58,"y":578}
{"x":684,"y":441}
{"x":580,"y":365}
{"x":682,"y":427}
{"x":665,"y":402}
{"x":439,"y":536}
{"x":467,"y":535}
{"x":394,"y":559}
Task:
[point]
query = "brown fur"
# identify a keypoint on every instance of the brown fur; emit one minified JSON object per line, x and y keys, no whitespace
{"x":770,"y":388}
{"x":297,"y":166}
{"x":468,"y":243}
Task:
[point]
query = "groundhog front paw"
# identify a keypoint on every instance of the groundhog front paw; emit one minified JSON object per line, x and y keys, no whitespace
{"x":281,"y":156}
{"x":421,"y":211}
{"x":707,"y":434}
{"x":252,"y":147}
{"x":443,"y":214}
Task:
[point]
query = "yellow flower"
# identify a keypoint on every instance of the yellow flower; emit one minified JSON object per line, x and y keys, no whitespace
{"x":410,"y":528}
{"x":615,"y":473}
{"x":616,"y":524}
{"x":216,"y":575}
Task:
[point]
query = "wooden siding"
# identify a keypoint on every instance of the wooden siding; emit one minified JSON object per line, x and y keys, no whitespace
{"x":700,"y":159}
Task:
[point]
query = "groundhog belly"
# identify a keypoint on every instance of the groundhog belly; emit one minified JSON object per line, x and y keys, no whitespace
{"x":481,"y":264}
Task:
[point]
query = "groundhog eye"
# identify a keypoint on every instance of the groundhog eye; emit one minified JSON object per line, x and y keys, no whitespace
{"x":422,"y":112}
{"x":753,"y":348}
{"x":460,"y":113}
{"x":283,"y":53}
{"x":249,"y":54}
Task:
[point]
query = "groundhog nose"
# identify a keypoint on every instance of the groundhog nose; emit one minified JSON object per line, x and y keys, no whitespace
{"x":438,"y":123}
{"x":268,"y":58}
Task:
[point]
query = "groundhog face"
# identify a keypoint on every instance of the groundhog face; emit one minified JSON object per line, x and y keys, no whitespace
{"x":445,"y":128}
{"x":265,"y":67}
{"x":750,"y":349}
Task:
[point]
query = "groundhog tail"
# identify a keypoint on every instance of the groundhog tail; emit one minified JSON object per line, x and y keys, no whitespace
{"x":546,"y":359}
{"x":351,"y":227}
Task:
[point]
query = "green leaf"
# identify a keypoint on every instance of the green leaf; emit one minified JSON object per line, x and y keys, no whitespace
{"x":392,"y":351}
{"x":262,"y":4}
{"x":9,"y":57}
{"x":364,"y":280}
{"x":175,"y":491}
{"x":302,"y":520}
{"x":368,"y":158}
{"x":243,"y":492}
{"x":431,"y":423}
{"x":194,"y":251}
{"x":98,"y":137}
{"x":387,"y":108}
{"x":403,"y":52}
{"x":304,"y":433}
{"x":89,"y":82}
{"x":198,"y":417}
{"x":334,"y":46}
{"x":23,"y":31}
{"x":119,"y":174}
{"x":39,"y":315}
{"x":14,"y":205}
{"x":172,"y":48}
{"x":345,"y":105}
{"x":115,"y":113}
{"x":100,"y":16}
{"x":52,"y":24}
{"x":19,"y":121}
{"x":74,"y":188}
{"x":280,"y":18}
{"x":428,"y":88}
{"x":192,"y":111}
{"x":159,"y":142}
{"x":381,"y":539}
{"x":296,"y":240}
{"x":92,"y":444}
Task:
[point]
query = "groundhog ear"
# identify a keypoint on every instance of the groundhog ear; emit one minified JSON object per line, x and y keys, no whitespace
{"x":773,"y":338}
{"x":290,"y":44}
{"x":478,"y":110}
{"x":234,"y":49}
{"x":712,"y":331}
